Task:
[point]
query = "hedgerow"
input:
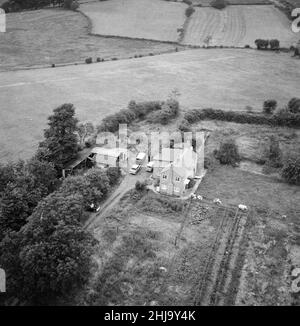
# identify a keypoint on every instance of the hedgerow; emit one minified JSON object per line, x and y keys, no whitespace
{"x":283,"y":117}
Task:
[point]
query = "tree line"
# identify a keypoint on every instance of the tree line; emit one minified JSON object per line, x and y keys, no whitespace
{"x":44,"y":250}
{"x":18,"y":5}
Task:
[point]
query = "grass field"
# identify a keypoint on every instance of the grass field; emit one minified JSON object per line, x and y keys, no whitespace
{"x":239,"y":26}
{"x":43,"y":37}
{"x":226,"y":79}
{"x":144,"y":19}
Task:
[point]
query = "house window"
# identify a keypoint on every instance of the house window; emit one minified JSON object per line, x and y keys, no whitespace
{"x":177,"y":179}
{"x":164,"y":176}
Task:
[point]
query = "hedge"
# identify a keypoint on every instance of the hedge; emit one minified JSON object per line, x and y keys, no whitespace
{"x":281,"y":118}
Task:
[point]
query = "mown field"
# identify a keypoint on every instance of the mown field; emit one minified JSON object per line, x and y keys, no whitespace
{"x":143,"y":19}
{"x":227,"y":79}
{"x":43,"y":37}
{"x":239,"y":26}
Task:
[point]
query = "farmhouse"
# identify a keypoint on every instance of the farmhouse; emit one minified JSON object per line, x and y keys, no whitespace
{"x":105,"y":157}
{"x":175,"y":176}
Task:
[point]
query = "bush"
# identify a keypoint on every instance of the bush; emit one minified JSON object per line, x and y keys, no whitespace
{"x":113,"y":174}
{"x":218,"y":4}
{"x":140,"y":186}
{"x":169,"y":111}
{"x":269,"y":106}
{"x":261,"y":44}
{"x":88,"y":60}
{"x":71,"y":4}
{"x":291,"y":170}
{"x":272,"y":155}
{"x":228,"y":153}
{"x":294,"y":105}
{"x":274,"y":44}
{"x":189,"y":11}
{"x":188,"y":2}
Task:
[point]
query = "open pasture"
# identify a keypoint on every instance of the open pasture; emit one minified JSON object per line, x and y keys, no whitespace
{"x":239,"y":26}
{"x":141,"y":19}
{"x":225,"y":79}
{"x":43,"y":37}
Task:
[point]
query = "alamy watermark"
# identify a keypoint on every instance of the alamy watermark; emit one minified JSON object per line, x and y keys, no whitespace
{"x":296,"y":21}
{"x":2,"y":281}
{"x":2,"y":21}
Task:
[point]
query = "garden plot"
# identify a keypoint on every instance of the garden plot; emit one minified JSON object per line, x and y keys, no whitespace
{"x":239,"y":26}
{"x":141,"y":19}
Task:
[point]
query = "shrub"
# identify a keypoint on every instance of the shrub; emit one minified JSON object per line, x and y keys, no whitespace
{"x":218,"y":4}
{"x":272,"y":155}
{"x":269,"y":106}
{"x":140,"y":186}
{"x":261,"y":44}
{"x":294,"y":105}
{"x":291,"y":170}
{"x":71,"y":4}
{"x":228,"y":153}
{"x":188,"y":2}
{"x":168,"y":112}
{"x":113,"y":174}
{"x":88,"y":60}
{"x":189,"y":11}
{"x":274,"y":44}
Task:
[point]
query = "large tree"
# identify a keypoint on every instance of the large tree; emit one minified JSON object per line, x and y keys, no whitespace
{"x":51,"y":255}
{"x":61,"y":143}
{"x":23,"y":185}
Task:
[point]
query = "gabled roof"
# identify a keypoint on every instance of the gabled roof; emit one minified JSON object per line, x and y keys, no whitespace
{"x":183,"y":164}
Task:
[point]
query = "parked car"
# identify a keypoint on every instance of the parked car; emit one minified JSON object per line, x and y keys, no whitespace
{"x":135,"y":169}
{"x":140,"y":158}
{"x":94,"y":208}
{"x":149,"y":166}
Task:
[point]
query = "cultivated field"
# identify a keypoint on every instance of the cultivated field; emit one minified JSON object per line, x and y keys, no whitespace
{"x":143,"y":19}
{"x":239,"y":26}
{"x":43,"y":37}
{"x":227,"y":79}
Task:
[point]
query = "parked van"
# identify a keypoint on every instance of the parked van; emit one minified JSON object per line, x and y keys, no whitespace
{"x":149,"y":167}
{"x":140,"y":158}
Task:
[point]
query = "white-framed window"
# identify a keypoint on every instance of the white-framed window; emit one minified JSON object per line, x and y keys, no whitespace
{"x":164,"y":176}
{"x":177,"y":179}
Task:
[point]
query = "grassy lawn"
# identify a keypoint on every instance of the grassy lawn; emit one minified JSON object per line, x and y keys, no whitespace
{"x":43,"y":37}
{"x":234,"y":186}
